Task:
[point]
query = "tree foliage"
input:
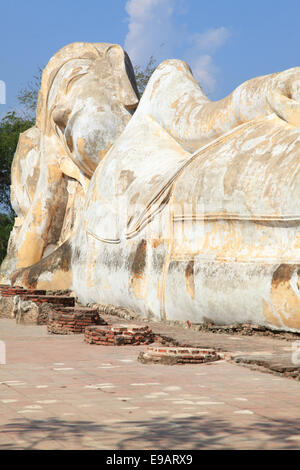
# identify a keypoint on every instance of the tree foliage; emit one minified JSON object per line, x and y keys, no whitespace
{"x":10,"y":128}
{"x":6,"y":225}
{"x":28,"y":96}
{"x":142,"y":75}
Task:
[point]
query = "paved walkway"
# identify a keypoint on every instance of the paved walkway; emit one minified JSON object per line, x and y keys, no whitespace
{"x":56,"y":392}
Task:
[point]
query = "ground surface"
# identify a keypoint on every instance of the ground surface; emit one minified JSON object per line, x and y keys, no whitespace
{"x":56,"y":392}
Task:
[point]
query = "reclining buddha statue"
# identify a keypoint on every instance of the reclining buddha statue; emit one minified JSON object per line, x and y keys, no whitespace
{"x":173,"y":206}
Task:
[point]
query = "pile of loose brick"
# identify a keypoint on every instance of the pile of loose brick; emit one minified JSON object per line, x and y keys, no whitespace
{"x":53,"y":301}
{"x":38,"y":297}
{"x":177,"y":355}
{"x":11,"y":291}
{"x":118,"y":335}
{"x":72,"y":320}
{"x":57,"y":300}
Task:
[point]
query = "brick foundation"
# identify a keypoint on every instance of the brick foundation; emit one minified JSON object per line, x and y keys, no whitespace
{"x":11,"y":291}
{"x":66,"y":321}
{"x":59,"y":300}
{"x":178,"y":355}
{"x":9,"y":299}
{"x":34,"y":306}
{"x":118,"y":335}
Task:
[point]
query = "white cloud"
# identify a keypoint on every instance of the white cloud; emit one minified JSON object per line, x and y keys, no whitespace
{"x":204,"y":71}
{"x":152,"y":23}
{"x":211,"y":39}
{"x":202,"y":46}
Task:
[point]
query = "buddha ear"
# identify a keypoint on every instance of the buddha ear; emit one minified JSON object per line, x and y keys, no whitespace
{"x":115,"y":55}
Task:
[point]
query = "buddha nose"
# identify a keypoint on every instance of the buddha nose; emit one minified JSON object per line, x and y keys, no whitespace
{"x":128,"y":96}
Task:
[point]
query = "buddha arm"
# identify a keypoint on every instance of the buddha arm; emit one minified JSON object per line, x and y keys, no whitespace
{"x":277,"y":93}
{"x":198,"y":121}
{"x":34,"y":231}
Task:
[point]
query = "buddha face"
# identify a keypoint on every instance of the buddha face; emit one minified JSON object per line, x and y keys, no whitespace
{"x":90,"y":103}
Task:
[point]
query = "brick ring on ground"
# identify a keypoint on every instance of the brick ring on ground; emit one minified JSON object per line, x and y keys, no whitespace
{"x":177,"y":355}
{"x":118,"y":335}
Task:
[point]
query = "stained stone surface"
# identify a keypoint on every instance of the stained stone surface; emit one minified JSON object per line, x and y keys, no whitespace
{"x":8,"y":306}
{"x":174,"y":207}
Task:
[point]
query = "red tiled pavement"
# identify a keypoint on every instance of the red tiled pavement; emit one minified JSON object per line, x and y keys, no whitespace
{"x":57,"y":392}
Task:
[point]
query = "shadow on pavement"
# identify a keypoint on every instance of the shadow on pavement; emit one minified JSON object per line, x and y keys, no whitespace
{"x":155,"y":434}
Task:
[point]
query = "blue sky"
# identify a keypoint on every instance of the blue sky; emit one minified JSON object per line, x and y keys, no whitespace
{"x":225,"y":41}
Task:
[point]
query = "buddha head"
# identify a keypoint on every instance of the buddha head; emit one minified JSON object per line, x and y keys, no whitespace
{"x":88,"y":95}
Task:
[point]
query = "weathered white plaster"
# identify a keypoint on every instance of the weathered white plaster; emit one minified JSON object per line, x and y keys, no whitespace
{"x":179,"y":208}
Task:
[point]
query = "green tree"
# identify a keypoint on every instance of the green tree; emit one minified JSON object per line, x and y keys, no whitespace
{"x":6,"y":225}
{"x":142,"y":75}
{"x":28,"y":96}
{"x":10,"y":128}
{"x":11,"y":125}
